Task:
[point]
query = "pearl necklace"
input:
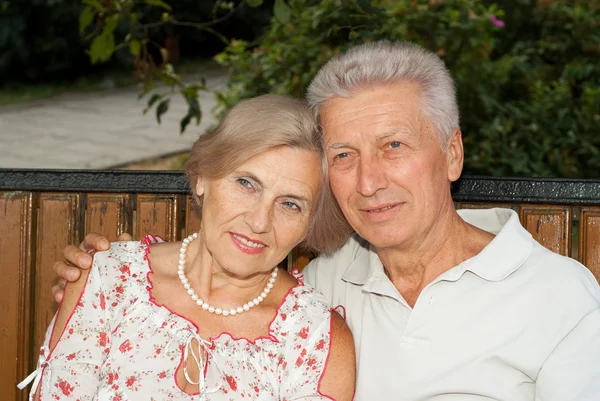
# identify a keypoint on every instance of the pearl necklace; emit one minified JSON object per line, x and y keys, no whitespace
{"x":225,"y":312}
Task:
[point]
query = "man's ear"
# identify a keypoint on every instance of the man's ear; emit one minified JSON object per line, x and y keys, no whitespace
{"x":455,"y":155}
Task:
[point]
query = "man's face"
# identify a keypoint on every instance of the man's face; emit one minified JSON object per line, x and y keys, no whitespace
{"x":386,"y":167}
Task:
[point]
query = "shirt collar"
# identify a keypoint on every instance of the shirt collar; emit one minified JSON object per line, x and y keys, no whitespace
{"x":509,"y":249}
{"x":500,"y":258}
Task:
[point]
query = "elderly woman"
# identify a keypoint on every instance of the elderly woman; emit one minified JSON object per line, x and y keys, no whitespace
{"x":212,"y":317}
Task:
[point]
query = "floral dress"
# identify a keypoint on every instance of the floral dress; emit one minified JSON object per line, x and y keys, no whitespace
{"x":119,"y":345}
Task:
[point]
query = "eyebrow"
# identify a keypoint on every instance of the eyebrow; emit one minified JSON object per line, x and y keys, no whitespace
{"x":379,"y":137}
{"x":338,"y":145}
{"x":386,"y":134}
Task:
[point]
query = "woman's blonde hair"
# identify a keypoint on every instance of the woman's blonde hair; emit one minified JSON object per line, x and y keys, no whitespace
{"x":255,"y":126}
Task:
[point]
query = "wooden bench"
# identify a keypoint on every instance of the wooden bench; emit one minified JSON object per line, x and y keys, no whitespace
{"x":41,"y":211}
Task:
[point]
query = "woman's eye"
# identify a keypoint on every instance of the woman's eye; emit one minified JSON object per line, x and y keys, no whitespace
{"x":395,"y":144}
{"x":291,"y":205}
{"x":244,"y":182}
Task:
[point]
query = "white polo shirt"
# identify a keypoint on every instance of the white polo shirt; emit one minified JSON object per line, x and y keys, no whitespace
{"x":514,"y":323}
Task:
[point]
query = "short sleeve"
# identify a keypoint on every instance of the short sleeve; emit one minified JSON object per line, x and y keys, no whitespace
{"x":71,"y":370}
{"x":572,"y":371}
{"x":306,"y":355}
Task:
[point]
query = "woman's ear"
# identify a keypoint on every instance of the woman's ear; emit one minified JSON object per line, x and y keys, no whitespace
{"x":199,"y":187}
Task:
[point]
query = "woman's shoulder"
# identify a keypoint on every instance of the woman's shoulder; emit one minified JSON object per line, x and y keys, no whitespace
{"x":304,"y":309}
{"x":124,"y":260}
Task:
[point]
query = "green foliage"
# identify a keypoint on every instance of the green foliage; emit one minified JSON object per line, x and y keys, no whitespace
{"x":101,"y":22}
{"x":528,"y":76}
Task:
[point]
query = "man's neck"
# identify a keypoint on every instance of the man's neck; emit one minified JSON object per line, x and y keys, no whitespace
{"x":449,"y":242}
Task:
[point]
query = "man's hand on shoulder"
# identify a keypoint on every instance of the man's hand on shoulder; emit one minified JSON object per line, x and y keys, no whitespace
{"x":79,"y":258}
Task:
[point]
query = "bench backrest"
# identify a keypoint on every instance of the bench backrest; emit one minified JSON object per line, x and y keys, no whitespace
{"x":41,"y":211}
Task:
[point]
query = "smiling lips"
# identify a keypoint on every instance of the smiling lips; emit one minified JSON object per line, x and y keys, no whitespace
{"x":247,"y":245}
{"x":381,"y":210}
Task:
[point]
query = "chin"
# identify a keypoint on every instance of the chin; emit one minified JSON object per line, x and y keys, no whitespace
{"x":385,"y":238}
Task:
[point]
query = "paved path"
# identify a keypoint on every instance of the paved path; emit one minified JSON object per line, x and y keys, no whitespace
{"x":96,"y":130}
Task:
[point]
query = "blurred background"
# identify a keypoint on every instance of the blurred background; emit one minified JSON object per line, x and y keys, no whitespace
{"x":132,"y":83}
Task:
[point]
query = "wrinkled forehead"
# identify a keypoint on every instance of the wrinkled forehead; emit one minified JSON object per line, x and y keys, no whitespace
{"x":398,"y":100}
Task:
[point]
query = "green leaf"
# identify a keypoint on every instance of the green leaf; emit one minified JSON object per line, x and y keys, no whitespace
{"x":282,"y":11}
{"x":194,"y":111}
{"x":162,"y":108}
{"x":135,"y":47}
{"x":158,"y":3}
{"x":153,"y":99}
{"x":102,"y":48}
{"x":254,"y":3}
{"x":85,"y":18}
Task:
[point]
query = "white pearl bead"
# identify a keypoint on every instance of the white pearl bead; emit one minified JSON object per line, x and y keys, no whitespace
{"x":205,"y":306}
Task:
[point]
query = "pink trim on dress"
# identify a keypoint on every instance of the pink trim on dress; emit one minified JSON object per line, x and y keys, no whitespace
{"x":51,"y":351}
{"x":148,"y":240}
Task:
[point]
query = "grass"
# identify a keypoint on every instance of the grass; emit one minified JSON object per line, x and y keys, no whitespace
{"x":15,"y":93}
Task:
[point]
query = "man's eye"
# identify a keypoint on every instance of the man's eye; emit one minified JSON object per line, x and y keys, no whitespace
{"x":395,"y":144}
{"x":342,"y":155}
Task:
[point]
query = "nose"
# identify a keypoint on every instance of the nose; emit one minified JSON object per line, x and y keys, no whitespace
{"x":371,"y":175}
{"x":259,"y":217}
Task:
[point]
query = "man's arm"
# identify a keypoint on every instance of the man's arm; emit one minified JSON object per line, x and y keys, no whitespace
{"x":77,"y":259}
{"x":572,"y":371}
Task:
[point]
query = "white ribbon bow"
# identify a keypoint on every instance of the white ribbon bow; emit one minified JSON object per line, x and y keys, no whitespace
{"x":201,"y":360}
{"x":36,"y":375}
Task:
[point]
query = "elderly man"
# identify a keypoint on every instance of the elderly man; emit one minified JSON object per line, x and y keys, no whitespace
{"x":443,"y":305}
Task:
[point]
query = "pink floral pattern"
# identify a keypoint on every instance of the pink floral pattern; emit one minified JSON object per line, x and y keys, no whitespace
{"x":119,"y":345}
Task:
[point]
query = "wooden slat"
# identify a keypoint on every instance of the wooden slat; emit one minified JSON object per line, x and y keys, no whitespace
{"x":589,"y":239}
{"x":549,"y":225}
{"x":16,"y":217}
{"x":158,"y":215}
{"x":465,"y":205}
{"x":58,"y":226}
{"x":192,"y":216}
{"x":108,"y":214}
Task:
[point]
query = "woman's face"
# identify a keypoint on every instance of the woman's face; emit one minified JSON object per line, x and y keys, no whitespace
{"x":254,"y":216}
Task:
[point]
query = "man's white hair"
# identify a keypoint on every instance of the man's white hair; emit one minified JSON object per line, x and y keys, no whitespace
{"x":386,"y":62}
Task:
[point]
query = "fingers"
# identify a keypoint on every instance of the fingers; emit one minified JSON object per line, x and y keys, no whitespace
{"x":58,"y":291}
{"x":125,"y":237}
{"x":94,"y":241}
{"x":66,"y":272}
{"x":76,"y":257}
